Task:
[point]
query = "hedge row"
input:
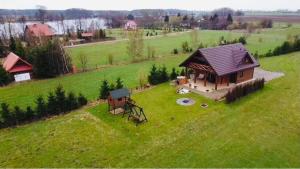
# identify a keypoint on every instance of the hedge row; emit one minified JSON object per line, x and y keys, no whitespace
{"x":57,"y":103}
{"x":243,"y":90}
{"x":285,"y":47}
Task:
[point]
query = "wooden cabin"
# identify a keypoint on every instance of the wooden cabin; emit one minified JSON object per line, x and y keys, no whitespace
{"x":118,"y":98}
{"x":221,"y":65}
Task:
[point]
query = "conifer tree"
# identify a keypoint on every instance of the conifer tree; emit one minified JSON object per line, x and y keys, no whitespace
{"x":81,"y":100}
{"x":119,"y":83}
{"x":41,"y":108}
{"x":173,"y":74}
{"x":104,"y":90}
{"x":12,"y":44}
{"x":6,"y":115}
{"x":60,"y":99}
{"x":71,"y":101}
{"x":51,"y":104}
{"x":29,"y":113}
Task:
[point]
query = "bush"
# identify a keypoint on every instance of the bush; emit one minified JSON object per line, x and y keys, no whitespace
{"x":104,"y":90}
{"x":175,"y":51}
{"x":158,"y":76}
{"x":82,"y":100}
{"x":243,"y":40}
{"x":173,"y":74}
{"x":185,"y":47}
{"x":4,"y":76}
{"x":243,"y":90}
{"x":110,"y":58}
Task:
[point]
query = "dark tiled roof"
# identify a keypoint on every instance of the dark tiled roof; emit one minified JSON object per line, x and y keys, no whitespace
{"x":119,"y":93}
{"x":226,"y":59}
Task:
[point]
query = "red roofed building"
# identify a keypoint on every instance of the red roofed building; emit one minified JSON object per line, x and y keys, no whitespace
{"x":36,"y":32}
{"x":88,"y":36}
{"x":18,"y":67}
{"x":130,"y":25}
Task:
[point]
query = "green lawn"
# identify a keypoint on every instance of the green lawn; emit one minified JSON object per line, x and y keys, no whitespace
{"x":88,"y":83}
{"x":98,"y":53}
{"x":261,"y":130}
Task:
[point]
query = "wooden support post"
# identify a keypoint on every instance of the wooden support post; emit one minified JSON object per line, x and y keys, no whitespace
{"x":195,"y":76}
{"x":228,"y":79}
{"x":205,"y":76}
{"x":216,"y":82}
{"x":186,"y":72}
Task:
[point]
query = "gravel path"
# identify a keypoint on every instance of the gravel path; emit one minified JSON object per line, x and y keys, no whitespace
{"x":260,"y":73}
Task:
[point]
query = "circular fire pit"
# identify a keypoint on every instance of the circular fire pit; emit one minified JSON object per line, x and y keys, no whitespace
{"x":185,"y":101}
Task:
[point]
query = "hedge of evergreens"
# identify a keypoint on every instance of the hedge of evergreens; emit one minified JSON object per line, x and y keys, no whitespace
{"x":243,"y":90}
{"x":57,"y":102}
{"x":286,"y":47}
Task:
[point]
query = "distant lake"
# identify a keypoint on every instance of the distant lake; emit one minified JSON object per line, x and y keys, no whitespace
{"x":86,"y":24}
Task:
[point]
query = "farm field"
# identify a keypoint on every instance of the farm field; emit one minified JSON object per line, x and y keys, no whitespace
{"x":261,"y":130}
{"x":261,"y":42}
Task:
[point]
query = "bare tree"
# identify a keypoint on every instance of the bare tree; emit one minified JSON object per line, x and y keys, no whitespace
{"x":41,"y":13}
{"x":83,"y":61}
{"x":135,"y":45}
{"x":22,"y":21}
{"x":194,"y":38}
{"x":62,"y":22}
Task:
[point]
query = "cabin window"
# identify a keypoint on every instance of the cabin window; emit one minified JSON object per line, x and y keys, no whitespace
{"x":241,"y":74}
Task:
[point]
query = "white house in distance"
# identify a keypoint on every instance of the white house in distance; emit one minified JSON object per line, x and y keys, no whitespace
{"x":17,"y":67}
{"x":130,"y":25}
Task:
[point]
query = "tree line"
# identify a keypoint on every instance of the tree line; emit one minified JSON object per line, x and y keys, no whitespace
{"x":58,"y":102}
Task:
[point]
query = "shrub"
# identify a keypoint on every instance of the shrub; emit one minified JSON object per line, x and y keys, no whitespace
{"x":175,"y":51}
{"x":81,"y":100}
{"x":185,"y":47}
{"x":243,"y":90}
{"x":4,"y":76}
{"x":104,"y":90}
{"x":242,"y":40}
{"x":173,"y":74}
{"x":119,"y":84}
{"x":71,"y":102}
{"x":41,"y":108}
{"x":158,"y":76}
{"x":110,"y":58}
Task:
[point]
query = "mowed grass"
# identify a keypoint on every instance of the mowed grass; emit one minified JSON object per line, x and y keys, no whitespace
{"x":88,"y":83}
{"x":261,"y":130}
{"x":261,"y":42}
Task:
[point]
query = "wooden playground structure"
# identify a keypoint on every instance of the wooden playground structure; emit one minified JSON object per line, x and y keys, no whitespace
{"x":119,"y":102}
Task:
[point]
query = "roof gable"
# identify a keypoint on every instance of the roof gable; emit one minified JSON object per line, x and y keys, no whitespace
{"x":12,"y":60}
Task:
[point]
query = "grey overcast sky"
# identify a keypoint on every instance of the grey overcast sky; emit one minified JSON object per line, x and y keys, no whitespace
{"x":152,"y":4}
